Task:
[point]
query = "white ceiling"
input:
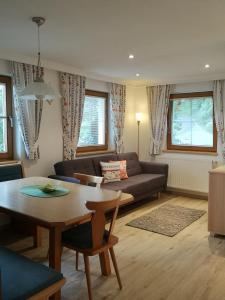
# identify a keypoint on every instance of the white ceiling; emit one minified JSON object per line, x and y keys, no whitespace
{"x":172,"y":40}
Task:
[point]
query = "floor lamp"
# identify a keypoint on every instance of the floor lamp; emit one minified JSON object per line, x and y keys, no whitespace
{"x":138,"y":119}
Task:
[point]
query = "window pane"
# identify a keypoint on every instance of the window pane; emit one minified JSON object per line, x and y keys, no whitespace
{"x":3,"y":122}
{"x":92,"y":131}
{"x":192,"y":122}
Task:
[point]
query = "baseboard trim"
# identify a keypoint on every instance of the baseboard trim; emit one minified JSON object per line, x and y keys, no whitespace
{"x":187,"y":193}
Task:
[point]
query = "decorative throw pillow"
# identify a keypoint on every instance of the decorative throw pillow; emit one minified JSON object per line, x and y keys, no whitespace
{"x":110,"y":171}
{"x":123,"y":169}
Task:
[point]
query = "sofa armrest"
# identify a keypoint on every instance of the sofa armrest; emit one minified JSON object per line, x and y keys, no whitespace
{"x":155,"y":168}
{"x":64,"y":178}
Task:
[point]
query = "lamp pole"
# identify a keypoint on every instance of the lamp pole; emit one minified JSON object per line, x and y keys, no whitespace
{"x":138,"y":119}
{"x":138,"y":140}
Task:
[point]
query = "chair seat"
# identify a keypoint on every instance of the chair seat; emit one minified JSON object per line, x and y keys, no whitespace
{"x":22,"y":278}
{"x":81,"y":236}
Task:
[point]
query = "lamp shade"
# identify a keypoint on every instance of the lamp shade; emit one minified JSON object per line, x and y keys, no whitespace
{"x":38,"y":90}
{"x":138,"y":116}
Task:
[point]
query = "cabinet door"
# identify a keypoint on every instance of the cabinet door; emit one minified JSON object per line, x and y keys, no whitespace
{"x":216,"y":203}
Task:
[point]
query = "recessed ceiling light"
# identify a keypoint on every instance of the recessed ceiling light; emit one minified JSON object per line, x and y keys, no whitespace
{"x":137,"y":74}
{"x":131,"y":56}
{"x":207,"y":66}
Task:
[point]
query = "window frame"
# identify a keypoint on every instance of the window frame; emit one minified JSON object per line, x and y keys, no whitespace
{"x":8,"y":83}
{"x":104,"y":147}
{"x":170,"y":146}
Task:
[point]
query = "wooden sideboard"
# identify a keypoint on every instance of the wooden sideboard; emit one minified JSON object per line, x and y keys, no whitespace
{"x":216,"y":201}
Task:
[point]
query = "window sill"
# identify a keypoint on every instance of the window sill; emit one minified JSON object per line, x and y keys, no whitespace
{"x":80,"y":154}
{"x":8,"y":161}
{"x":191,"y":152}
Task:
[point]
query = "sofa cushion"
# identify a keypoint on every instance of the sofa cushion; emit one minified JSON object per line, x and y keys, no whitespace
{"x":137,"y":184}
{"x":123,"y":169}
{"x":133,"y":165}
{"x":22,"y":278}
{"x":80,"y":165}
{"x":105,"y":158}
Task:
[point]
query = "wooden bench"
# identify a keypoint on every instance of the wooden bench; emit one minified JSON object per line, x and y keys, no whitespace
{"x":22,"y":278}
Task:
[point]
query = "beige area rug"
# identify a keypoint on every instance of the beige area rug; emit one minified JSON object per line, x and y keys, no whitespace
{"x":167,"y":219}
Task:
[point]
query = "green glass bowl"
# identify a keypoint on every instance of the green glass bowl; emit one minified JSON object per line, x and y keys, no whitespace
{"x":48,"y":188}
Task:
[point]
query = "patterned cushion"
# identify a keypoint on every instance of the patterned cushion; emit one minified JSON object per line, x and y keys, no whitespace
{"x":106,"y":158}
{"x":110,"y":171}
{"x":123,"y":169}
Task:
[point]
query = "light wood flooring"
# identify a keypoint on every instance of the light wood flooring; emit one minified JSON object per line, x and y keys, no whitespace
{"x":189,"y":266}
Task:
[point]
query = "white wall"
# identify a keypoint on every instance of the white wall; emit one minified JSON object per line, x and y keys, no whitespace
{"x":136,"y":102}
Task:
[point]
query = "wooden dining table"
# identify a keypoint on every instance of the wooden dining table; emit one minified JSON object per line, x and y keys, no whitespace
{"x":55,"y":213}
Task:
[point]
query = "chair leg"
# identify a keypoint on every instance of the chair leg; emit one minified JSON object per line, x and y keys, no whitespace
{"x":88,"y":277}
{"x":115,"y":267}
{"x":77,"y":259}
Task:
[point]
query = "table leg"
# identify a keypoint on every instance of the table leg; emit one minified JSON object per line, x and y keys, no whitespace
{"x":37,"y":237}
{"x":105,"y":263}
{"x":55,"y":254}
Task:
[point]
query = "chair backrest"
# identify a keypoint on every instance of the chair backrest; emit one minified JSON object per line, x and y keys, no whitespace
{"x":98,"y":220}
{"x":86,"y":179}
{"x":11,"y":170}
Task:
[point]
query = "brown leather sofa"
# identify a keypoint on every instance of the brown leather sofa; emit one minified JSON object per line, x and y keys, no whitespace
{"x":144,"y":178}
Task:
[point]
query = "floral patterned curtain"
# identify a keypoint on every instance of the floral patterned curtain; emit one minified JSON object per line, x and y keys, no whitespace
{"x":158,"y":103}
{"x":219,"y":111}
{"x":117,"y":108}
{"x":28,"y":112}
{"x":73,"y":95}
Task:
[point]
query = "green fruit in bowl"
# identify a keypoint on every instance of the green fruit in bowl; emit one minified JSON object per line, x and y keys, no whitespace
{"x":47,"y":188}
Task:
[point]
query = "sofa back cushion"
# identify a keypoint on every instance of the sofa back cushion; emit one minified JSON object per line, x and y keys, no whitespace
{"x":79,"y":165}
{"x":133,"y":165}
{"x":105,"y":158}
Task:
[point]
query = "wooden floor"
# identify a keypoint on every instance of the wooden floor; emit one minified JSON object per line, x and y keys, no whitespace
{"x":189,"y":266}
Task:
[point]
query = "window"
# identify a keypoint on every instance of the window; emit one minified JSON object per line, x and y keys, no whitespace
{"x":191,"y":123}
{"x":5,"y":118}
{"x":94,"y":126}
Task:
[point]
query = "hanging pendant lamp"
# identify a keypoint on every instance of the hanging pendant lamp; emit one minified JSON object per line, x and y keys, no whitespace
{"x":38,"y":89}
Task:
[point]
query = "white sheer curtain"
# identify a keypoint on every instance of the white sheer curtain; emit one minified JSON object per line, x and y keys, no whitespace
{"x":117,"y":110}
{"x":219,"y":111}
{"x":73,"y":96}
{"x":28,"y":112}
{"x":158,"y":103}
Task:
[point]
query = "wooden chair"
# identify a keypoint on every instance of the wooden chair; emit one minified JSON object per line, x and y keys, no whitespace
{"x":86,"y":179}
{"x":91,"y":238}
